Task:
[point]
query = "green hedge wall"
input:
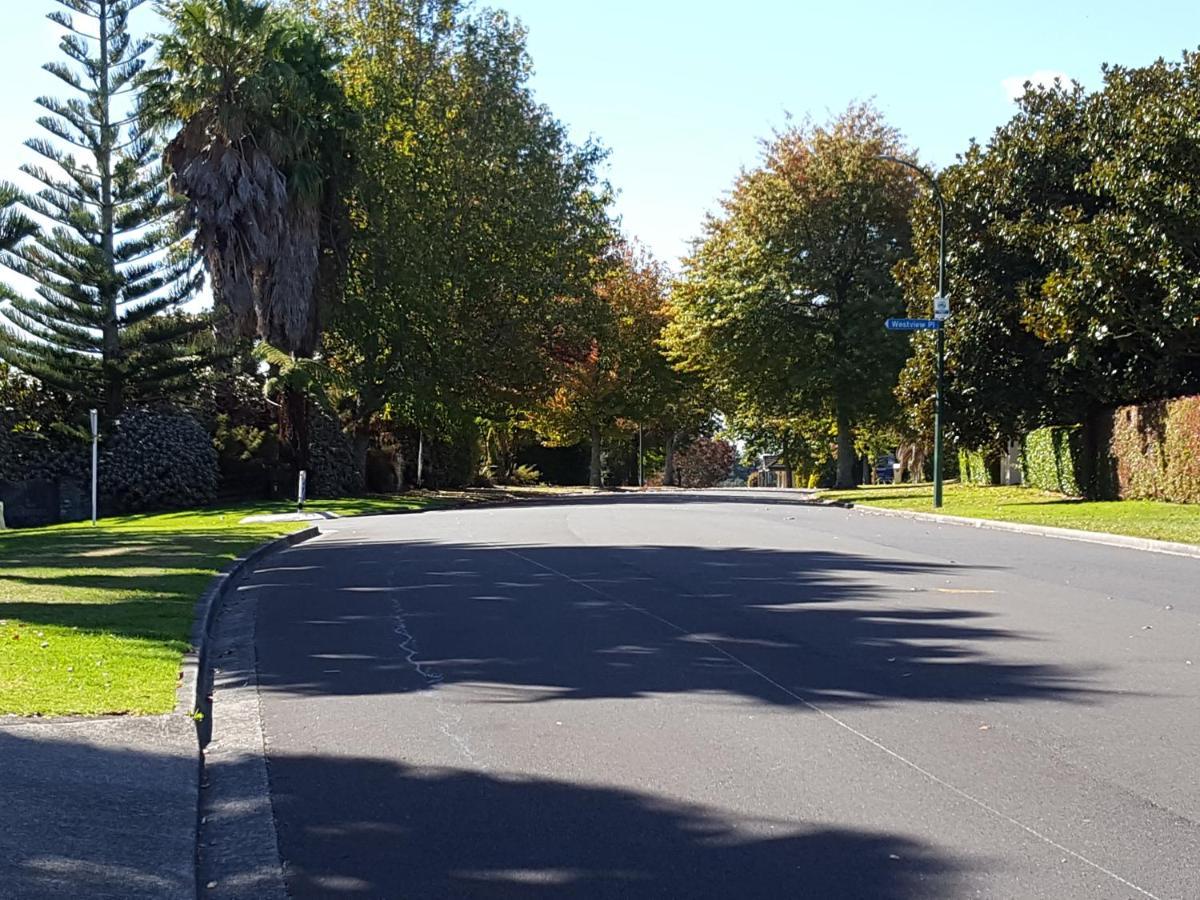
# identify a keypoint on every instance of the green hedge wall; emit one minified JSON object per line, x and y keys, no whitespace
{"x":1156,"y":450}
{"x":973,"y":468}
{"x":1051,"y":459}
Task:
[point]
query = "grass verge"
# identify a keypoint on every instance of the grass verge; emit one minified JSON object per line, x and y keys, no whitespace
{"x":1136,"y":518}
{"x":96,"y":620}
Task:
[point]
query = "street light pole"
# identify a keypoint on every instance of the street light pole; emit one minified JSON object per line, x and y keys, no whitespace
{"x":941,"y":328}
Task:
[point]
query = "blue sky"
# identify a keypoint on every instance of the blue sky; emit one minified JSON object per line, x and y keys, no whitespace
{"x":681,"y":91}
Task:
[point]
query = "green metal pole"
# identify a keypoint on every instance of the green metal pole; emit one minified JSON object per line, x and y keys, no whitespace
{"x":941,"y":350}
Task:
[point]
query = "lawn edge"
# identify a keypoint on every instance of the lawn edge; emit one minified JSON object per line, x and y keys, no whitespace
{"x":1106,"y":538}
{"x":192,"y":693}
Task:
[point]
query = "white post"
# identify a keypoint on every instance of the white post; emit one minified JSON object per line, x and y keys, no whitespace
{"x":95,"y":419}
{"x":302,"y":490}
{"x":641,"y":457}
{"x":420,"y":459}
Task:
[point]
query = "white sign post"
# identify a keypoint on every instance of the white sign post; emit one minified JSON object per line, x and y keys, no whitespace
{"x":302,"y":491}
{"x":941,"y":308}
{"x":95,"y":417}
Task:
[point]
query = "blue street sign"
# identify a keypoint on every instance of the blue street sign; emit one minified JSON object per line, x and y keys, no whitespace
{"x":912,"y":324}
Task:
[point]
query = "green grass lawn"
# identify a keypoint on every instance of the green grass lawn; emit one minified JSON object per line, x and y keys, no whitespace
{"x":96,"y":620}
{"x":1138,"y":518}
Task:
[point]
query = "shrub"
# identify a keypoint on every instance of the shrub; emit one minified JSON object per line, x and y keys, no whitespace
{"x":1156,"y":450}
{"x":705,"y":462}
{"x":157,"y":460}
{"x":754,"y":479}
{"x":973,"y":467}
{"x":1051,"y":459}
{"x":525,"y":475}
{"x":335,"y":470}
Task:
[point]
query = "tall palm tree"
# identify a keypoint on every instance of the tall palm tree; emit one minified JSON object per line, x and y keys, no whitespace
{"x":260,"y":144}
{"x":260,"y":121}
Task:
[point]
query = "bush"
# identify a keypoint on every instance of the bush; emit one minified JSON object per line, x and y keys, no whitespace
{"x":973,"y":467}
{"x":252,"y":462}
{"x":157,"y":460}
{"x":1156,"y":450}
{"x":525,"y":475}
{"x":1052,"y":459}
{"x":336,"y":472}
{"x":754,"y":479}
{"x":705,"y":462}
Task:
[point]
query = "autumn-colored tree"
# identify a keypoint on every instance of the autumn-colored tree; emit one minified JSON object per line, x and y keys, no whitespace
{"x":705,"y":462}
{"x":621,"y":373}
{"x":781,"y":306}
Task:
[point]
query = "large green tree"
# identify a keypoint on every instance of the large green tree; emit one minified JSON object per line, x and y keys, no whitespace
{"x":109,"y":261}
{"x":781,"y":305}
{"x":1007,"y":203}
{"x":475,"y":223}
{"x":1073,"y":260}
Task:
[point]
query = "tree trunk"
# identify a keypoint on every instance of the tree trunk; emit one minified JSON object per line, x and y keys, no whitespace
{"x":294,"y":426}
{"x":669,"y":475}
{"x":362,"y":443}
{"x":1094,"y":465}
{"x":845,"y":451}
{"x":398,"y":466}
{"x":111,"y":368}
{"x":594,"y":469}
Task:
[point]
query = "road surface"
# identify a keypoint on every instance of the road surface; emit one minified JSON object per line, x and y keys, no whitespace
{"x":701,"y":695}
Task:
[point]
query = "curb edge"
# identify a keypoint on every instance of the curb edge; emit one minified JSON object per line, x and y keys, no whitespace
{"x":190,"y":694}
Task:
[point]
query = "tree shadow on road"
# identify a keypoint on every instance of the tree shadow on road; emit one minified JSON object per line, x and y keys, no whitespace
{"x":84,"y":814}
{"x":369,"y":828}
{"x":531,"y":623}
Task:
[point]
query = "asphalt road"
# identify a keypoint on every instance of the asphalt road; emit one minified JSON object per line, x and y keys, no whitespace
{"x":706,"y":696}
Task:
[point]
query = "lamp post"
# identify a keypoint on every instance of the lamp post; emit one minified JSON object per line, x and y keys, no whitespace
{"x":941,"y":329}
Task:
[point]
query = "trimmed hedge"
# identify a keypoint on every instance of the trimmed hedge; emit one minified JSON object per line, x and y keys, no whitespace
{"x":1156,"y":450}
{"x":973,"y":468}
{"x":1051,"y":459}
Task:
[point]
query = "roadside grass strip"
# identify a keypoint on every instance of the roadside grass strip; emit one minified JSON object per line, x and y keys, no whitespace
{"x":96,"y":620}
{"x":1134,"y":518}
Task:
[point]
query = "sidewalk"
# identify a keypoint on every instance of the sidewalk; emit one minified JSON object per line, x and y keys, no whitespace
{"x":108,"y":807}
{"x":98,"y":808}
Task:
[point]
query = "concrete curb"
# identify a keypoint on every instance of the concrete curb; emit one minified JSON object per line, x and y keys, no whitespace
{"x":1146,"y":545}
{"x":191,"y":696}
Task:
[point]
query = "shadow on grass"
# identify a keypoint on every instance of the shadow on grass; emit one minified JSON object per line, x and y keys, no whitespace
{"x":131,"y":584}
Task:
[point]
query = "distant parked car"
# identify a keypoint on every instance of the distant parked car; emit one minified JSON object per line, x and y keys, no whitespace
{"x":885,"y":469}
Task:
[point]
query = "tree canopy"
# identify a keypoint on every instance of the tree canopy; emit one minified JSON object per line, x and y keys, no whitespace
{"x":109,"y":262}
{"x":781,"y":305}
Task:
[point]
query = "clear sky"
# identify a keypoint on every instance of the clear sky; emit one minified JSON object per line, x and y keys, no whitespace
{"x":681,"y":91}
